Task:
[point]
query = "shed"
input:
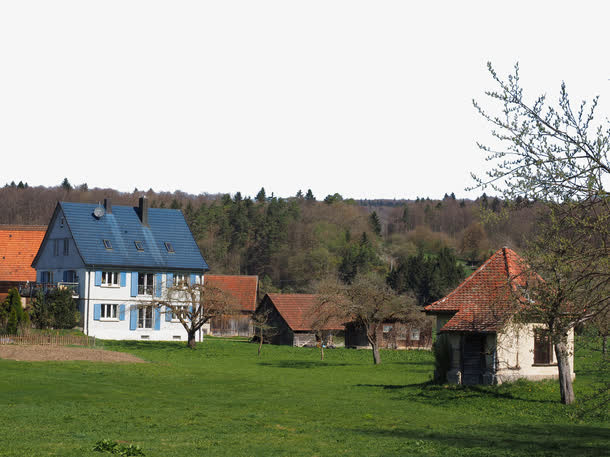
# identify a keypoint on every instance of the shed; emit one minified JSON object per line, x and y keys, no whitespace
{"x":245,"y":290}
{"x":487,"y":346}
{"x":293,"y":317}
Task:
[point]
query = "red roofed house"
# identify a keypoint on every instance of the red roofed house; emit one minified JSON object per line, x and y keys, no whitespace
{"x":488,"y":346}
{"x":293,"y":318}
{"x":245,"y":290}
{"x":18,"y":247}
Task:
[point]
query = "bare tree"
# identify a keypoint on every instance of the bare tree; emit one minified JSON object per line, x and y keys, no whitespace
{"x":194,"y":305}
{"x":325,"y":322}
{"x":554,"y":154}
{"x":367,"y":302}
{"x":263,"y":329}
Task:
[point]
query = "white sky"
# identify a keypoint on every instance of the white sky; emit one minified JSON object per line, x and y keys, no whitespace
{"x":369,"y":99}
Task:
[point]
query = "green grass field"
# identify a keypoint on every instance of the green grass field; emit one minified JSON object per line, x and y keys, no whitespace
{"x":223,"y":400}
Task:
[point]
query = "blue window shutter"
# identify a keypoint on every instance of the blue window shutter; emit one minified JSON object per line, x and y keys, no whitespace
{"x":134,"y":283}
{"x":169,"y":282}
{"x":168,"y":314}
{"x":193,"y":278}
{"x":121,"y":312}
{"x":98,"y":278}
{"x":159,"y":281}
{"x":97,"y":311}
{"x":191,"y":311}
{"x":133,"y":317}
{"x":157,"y":318}
{"x":123,"y":279}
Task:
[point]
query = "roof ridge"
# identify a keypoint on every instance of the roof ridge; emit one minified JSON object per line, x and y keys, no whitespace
{"x":465,"y":281}
{"x":233,"y":276}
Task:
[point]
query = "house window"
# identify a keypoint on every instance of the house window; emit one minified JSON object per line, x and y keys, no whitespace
{"x":145,"y":317}
{"x":543,"y":353}
{"x":55,"y":247}
{"x":46,"y":277}
{"x":107,"y":244}
{"x":181,"y":279}
{"x":414,"y":334}
{"x":139,"y":245}
{"x":178,"y":312}
{"x":387,"y":328}
{"x":66,"y":246}
{"x":109,"y":312}
{"x":169,"y":247}
{"x":145,"y":283}
{"x":110,"y":278}
{"x":70,"y":276}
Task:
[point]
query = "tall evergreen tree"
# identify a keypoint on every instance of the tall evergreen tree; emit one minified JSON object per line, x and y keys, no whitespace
{"x":375,"y":223}
{"x":261,"y":197}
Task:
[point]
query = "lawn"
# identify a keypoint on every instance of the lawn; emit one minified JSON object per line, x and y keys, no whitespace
{"x":222,"y":400}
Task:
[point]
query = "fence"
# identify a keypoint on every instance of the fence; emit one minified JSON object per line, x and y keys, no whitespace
{"x":53,"y":340}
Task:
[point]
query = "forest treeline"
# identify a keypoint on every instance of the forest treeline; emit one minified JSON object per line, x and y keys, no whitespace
{"x":422,"y":246}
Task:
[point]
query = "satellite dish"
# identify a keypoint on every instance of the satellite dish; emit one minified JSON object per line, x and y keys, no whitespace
{"x":98,"y":212}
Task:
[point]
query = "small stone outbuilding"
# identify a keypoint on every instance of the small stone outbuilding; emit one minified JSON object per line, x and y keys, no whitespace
{"x":487,"y":345}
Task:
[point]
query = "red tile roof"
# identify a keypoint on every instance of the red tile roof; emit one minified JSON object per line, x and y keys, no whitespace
{"x":243,"y":288}
{"x":18,"y":247}
{"x":483,"y":302}
{"x":299,"y":311}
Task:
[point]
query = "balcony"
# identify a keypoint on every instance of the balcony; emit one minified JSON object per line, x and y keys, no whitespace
{"x":30,"y":289}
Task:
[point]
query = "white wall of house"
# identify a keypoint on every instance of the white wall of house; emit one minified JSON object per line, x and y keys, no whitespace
{"x":515,"y":352}
{"x":119,"y":294}
{"x":512,"y":352}
{"x":119,"y":327}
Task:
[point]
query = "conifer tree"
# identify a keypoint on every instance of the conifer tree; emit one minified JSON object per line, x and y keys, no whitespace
{"x":261,"y":197}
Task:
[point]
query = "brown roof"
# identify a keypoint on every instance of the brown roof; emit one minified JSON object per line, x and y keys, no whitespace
{"x":299,"y":311}
{"x":243,"y":288}
{"x":18,"y":247}
{"x":483,"y":301}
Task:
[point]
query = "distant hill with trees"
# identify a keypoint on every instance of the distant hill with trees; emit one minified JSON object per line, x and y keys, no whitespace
{"x":291,"y":243}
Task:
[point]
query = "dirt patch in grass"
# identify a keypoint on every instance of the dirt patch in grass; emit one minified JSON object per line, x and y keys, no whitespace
{"x":41,"y":353}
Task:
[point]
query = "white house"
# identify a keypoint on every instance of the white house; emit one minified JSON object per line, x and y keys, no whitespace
{"x":116,"y":260}
{"x":487,"y":345}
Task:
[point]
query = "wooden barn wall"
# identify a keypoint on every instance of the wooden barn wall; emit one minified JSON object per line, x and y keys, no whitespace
{"x":240,"y":325}
{"x":392,"y":335}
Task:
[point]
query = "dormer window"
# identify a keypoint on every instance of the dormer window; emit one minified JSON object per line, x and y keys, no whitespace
{"x":169,"y":247}
{"x":139,"y":245}
{"x":107,"y":244}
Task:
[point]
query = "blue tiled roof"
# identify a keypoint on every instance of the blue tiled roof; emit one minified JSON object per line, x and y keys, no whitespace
{"x":123,"y":228}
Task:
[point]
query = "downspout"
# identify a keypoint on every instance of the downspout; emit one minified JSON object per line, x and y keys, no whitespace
{"x":87,"y":302}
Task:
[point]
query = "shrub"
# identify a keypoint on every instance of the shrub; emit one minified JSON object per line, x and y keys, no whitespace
{"x":112,"y":447}
{"x":57,"y":309}
{"x":442,"y":358}
{"x":13,"y":318}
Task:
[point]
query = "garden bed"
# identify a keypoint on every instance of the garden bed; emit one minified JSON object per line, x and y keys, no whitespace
{"x":41,"y":353}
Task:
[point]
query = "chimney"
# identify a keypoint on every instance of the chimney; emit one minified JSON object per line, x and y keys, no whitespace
{"x":144,"y":211}
{"x":108,"y":205}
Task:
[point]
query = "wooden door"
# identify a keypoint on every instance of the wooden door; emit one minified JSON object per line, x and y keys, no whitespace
{"x":473,"y":359}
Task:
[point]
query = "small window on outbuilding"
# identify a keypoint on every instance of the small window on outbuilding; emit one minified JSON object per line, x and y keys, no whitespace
{"x":139,"y":245}
{"x":415,"y":334}
{"x":543,"y":351}
{"x":169,"y":247}
{"x":107,"y":244}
